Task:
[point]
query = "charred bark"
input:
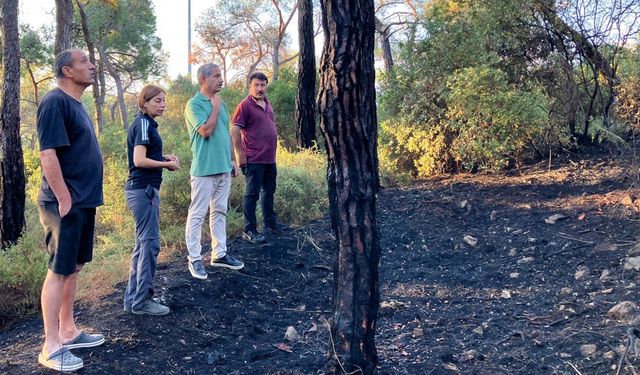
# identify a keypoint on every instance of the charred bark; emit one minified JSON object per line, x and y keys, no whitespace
{"x":12,"y":179}
{"x":349,"y":125}
{"x":306,"y":95}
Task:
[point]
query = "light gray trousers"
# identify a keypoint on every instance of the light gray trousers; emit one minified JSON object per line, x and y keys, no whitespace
{"x":145,"y":207}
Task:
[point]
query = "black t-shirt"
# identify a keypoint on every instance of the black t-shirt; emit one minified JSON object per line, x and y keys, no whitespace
{"x":64,"y":125}
{"x":144,"y":131}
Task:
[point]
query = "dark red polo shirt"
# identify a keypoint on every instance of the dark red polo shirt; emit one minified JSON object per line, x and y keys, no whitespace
{"x":259,"y":134}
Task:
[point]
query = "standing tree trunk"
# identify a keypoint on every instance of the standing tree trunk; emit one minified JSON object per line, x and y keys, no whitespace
{"x":305,"y":98}
{"x":349,"y":125}
{"x":119,"y":90}
{"x":12,"y":180}
{"x":64,"y":22}
{"x":97,"y":100}
{"x":385,"y":44}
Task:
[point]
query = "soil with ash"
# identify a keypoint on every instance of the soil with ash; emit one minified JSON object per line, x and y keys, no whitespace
{"x":477,"y":277}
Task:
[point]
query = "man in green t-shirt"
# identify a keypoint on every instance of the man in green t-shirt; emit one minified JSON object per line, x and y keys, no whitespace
{"x":212,"y":167}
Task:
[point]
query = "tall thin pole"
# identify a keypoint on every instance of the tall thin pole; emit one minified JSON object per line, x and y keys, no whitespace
{"x":189,"y":39}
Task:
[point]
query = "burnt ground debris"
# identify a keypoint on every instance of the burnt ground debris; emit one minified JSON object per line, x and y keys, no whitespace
{"x":473,"y":280}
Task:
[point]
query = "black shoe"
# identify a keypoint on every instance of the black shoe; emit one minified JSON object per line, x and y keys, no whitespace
{"x":253,"y":237}
{"x":276,"y":227}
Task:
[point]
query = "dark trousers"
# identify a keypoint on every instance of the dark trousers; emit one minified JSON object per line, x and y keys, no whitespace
{"x":260,"y":182}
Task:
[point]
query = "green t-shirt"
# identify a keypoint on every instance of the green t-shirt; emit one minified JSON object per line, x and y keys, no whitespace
{"x":210,"y":155}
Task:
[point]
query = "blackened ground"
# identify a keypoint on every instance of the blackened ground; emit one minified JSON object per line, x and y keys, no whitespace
{"x":523,"y":300}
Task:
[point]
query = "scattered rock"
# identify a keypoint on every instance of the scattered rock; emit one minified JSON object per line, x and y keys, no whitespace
{"x":581,"y":273}
{"x":464,"y":203}
{"x":417,"y":332}
{"x":525,"y":260}
{"x":479,"y":331}
{"x":291,"y":334}
{"x":505,"y":294}
{"x":605,"y":274}
{"x":514,"y":275}
{"x":565,"y":355}
{"x":492,"y":215}
{"x":588,"y":350}
{"x":470,"y":240}
{"x":513,"y":252}
{"x":469,"y":356}
{"x":624,"y":311}
{"x":632,"y":263}
{"x":553,"y":218}
{"x":566,"y":291}
{"x":609,"y":355}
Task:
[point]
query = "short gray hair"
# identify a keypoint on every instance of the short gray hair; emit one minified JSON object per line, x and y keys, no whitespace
{"x":205,"y":71}
{"x":64,"y":58}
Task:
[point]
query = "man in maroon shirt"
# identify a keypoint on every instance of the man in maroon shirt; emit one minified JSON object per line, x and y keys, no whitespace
{"x":255,"y":138}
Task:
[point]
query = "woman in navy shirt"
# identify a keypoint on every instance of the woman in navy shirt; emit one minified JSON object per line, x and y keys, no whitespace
{"x":146,"y":162}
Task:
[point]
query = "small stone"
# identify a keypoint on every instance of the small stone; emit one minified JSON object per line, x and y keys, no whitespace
{"x":525,"y":260}
{"x":624,"y":311}
{"x":417,"y":332}
{"x":464,"y":203}
{"x":609,"y":355}
{"x":565,"y":355}
{"x":187,"y":358}
{"x":517,"y":231}
{"x":605,"y":274}
{"x":588,"y":350}
{"x":513,"y":252}
{"x":632,"y":263}
{"x":505,"y":294}
{"x":469,"y":355}
{"x":553,"y":218}
{"x":492,"y":215}
{"x":291,"y":334}
{"x":514,"y":275}
{"x":581,"y":273}
{"x":566,"y":291}
{"x":479,"y":331}
{"x":470,"y":240}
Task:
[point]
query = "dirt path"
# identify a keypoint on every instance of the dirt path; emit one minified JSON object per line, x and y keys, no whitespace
{"x":473,"y":281}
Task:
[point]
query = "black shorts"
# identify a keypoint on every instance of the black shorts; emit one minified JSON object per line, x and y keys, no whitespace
{"x":69,"y":241}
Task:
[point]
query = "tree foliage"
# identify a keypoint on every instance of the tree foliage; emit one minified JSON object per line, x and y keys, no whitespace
{"x":245,"y":36}
{"x":497,"y":82}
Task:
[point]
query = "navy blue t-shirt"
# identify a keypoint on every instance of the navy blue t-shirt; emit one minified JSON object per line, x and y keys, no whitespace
{"x":64,"y":125}
{"x":144,"y":131}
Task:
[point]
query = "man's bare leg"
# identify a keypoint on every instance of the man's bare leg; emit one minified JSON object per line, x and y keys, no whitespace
{"x":67,"y":328}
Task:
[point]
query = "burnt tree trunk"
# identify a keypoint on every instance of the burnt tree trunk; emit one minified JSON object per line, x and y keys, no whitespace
{"x":64,"y":22}
{"x":349,"y":125}
{"x":306,"y":95}
{"x":12,"y":180}
{"x":98,"y":102}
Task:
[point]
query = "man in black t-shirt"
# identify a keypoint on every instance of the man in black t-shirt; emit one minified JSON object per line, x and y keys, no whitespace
{"x":71,"y":190}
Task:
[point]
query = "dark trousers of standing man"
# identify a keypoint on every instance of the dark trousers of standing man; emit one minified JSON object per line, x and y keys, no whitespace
{"x":260,"y":182}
